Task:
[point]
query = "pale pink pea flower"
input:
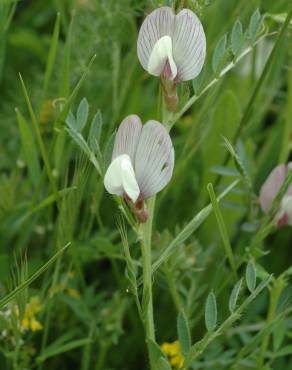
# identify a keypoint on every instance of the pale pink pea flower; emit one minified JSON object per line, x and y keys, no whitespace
{"x":142,"y":162}
{"x":171,"y":45}
{"x":269,"y":191}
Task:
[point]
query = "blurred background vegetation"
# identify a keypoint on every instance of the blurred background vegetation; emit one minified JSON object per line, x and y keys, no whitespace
{"x":84,"y":316}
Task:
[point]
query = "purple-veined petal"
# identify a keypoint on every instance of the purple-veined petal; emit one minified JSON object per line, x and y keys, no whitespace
{"x":189,"y":45}
{"x":289,"y":167}
{"x":154,"y":159}
{"x":271,"y":186}
{"x":157,"y":24}
{"x":120,"y":178}
{"x":286,"y":208}
{"x":160,"y":55}
{"x":127,"y":137}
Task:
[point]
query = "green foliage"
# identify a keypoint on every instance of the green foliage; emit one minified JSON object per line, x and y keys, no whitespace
{"x":80,"y":77}
{"x":157,"y":357}
{"x":250,"y":276}
{"x":183,"y":333}
{"x":211,"y":312}
{"x":234,"y":296}
{"x":95,"y":132}
{"x":82,"y":115}
{"x":237,"y":37}
{"x":254,"y":25}
{"x":219,"y":54}
{"x":29,"y":149}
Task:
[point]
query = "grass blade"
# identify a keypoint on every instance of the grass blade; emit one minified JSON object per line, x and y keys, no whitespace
{"x":222,"y":228}
{"x":52,"y":53}
{"x":5,"y":300}
{"x":189,"y":229}
{"x":40,"y":140}
{"x":29,"y":149}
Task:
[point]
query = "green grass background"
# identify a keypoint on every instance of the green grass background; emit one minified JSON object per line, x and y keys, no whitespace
{"x":101,"y":328}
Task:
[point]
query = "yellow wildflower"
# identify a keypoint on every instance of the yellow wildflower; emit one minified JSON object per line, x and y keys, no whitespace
{"x":35,"y":325}
{"x":174,"y":354}
{"x":73,"y":293}
{"x":29,"y":321}
{"x":25,"y":323}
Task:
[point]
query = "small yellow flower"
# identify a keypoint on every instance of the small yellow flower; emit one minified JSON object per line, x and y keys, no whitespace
{"x":25,"y":323}
{"x":33,"y":307}
{"x":174,"y":354}
{"x":73,"y":293}
{"x":35,"y":325}
{"x":29,"y":321}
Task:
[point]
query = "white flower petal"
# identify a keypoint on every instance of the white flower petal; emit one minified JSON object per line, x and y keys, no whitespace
{"x":286,"y":207}
{"x":189,"y":45}
{"x":120,"y":178}
{"x":127,"y":137}
{"x":157,"y":24}
{"x":154,"y":159}
{"x":130,"y":184}
{"x":160,"y":55}
{"x":271,"y":186}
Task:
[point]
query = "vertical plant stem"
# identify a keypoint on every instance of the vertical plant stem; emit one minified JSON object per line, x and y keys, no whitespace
{"x":147,"y":274}
{"x":287,"y":129}
{"x":147,"y":302}
{"x":16,"y":353}
{"x":86,"y":354}
{"x":275,"y":293}
{"x":101,"y":357}
{"x":49,"y":309}
{"x":173,"y":289}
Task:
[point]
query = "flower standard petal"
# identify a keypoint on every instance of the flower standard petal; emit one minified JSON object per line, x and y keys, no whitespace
{"x":154,"y":159}
{"x":120,"y":178}
{"x":271,"y":186}
{"x":127,"y":137}
{"x":157,"y":24}
{"x":189,"y":45}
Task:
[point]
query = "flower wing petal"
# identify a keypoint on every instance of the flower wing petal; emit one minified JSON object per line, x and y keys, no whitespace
{"x":272,"y":186}
{"x":130,"y":184}
{"x":154,"y":159}
{"x":157,"y":24}
{"x":120,"y":178}
{"x":189,"y":45}
{"x":127,"y":137}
